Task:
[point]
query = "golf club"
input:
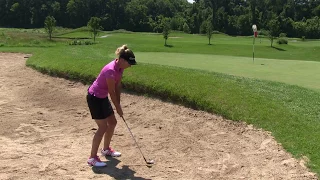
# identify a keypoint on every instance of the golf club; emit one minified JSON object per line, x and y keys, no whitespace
{"x":149,"y":163}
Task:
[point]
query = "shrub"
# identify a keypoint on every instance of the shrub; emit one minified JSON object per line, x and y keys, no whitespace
{"x":88,"y":43}
{"x":282,"y":41}
{"x":283,"y":35}
{"x":263,"y":32}
{"x":37,"y":42}
{"x":78,"y":42}
{"x":74,"y":42}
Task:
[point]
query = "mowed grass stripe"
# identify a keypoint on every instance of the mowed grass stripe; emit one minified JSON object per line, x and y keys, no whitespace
{"x":294,"y":72}
{"x":221,"y":45}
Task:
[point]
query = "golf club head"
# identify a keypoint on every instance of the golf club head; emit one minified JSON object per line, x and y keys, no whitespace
{"x":150,"y":163}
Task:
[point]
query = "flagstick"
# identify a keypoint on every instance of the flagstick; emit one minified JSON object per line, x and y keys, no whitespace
{"x":254,"y":29}
{"x":254,"y":38}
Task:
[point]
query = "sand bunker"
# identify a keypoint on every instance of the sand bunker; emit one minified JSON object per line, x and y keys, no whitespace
{"x":46,"y":133}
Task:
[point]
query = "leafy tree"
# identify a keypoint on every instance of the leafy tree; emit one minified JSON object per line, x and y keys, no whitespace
{"x":49,"y":25}
{"x":94,"y":26}
{"x":138,"y":19}
{"x":244,"y":25}
{"x":166,"y":29}
{"x":235,"y":17}
{"x":157,"y":23}
{"x":313,"y":27}
{"x":186,"y":28}
{"x":253,"y":4}
{"x":316,"y":11}
{"x":56,"y":7}
{"x":209,"y":30}
{"x":299,"y":28}
{"x":14,"y":7}
{"x":274,"y":30}
{"x":203,"y":27}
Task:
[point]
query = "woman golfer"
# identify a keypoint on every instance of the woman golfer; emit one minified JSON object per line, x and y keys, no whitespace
{"x":107,"y":82}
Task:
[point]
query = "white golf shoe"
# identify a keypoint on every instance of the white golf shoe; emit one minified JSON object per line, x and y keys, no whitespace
{"x":96,"y":162}
{"x":110,"y":152}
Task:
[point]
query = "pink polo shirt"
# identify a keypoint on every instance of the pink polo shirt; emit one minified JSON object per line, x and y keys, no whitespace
{"x":99,"y":87}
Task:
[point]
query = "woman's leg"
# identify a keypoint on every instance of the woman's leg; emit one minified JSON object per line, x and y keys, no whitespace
{"x":102,"y":127}
{"x":111,"y":124}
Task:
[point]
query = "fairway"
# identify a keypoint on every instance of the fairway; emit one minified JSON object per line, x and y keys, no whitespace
{"x":294,"y":72}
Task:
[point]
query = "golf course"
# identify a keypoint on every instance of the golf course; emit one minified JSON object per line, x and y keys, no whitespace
{"x":200,"y":111}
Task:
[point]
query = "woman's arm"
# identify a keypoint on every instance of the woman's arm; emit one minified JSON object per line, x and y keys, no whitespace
{"x":112,"y":91}
{"x":118,"y":91}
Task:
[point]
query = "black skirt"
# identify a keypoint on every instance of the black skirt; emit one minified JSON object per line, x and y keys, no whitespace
{"x":100,"y":108}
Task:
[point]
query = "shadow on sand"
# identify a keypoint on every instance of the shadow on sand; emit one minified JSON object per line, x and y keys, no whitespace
{"x":116,"y":173}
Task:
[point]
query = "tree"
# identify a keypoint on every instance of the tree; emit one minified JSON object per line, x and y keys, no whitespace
{"x":94,"y":26}
{"x":14,"y":7}
{"x":274,"y":29}
{"x":253,"y":4}
{"x":313,"y":27}
{"x":234,"y":17}
{"x":166,"y":29}
{"x":49,"y":25}
{"x":137,"y":13}
{"x":186,"y":28}
{"x":209,"y":30}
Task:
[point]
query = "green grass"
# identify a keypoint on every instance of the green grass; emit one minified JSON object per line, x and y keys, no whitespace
{"x":24,"y":38}
{"x":302,"y":73}
{"x":291,"y":113}
{"x":221,"y":45}
{"x":76,"y":35}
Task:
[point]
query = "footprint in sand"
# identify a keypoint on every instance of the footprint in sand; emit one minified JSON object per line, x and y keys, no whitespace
{"x":264,"y":144}
{"x":3,"y":102}
{"x":289,"y":162}
{"x":29,"y":128}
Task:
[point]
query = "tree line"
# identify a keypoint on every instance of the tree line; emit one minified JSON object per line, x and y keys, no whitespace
{"x":295,"y":18}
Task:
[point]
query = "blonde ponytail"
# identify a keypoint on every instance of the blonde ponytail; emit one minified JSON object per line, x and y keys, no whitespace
{"x":126,"y":54}
{"x":121,"y":50}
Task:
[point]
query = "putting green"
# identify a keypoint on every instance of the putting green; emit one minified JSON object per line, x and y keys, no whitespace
{"x":301,"y":73}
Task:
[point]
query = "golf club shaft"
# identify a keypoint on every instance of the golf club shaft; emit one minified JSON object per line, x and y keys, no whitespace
{"x":134,"y":140}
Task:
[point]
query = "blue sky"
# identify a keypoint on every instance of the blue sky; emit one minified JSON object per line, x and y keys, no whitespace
{"x":191,"y":1}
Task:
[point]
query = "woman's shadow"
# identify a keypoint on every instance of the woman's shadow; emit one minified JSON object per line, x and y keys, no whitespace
{"x":113,"y":171}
